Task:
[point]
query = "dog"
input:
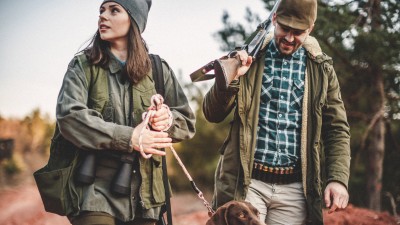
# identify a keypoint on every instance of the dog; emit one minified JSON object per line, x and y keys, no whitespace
{"x":236,"y":213}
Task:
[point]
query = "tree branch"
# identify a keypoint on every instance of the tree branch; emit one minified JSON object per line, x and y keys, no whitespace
{"x":376,"y":117}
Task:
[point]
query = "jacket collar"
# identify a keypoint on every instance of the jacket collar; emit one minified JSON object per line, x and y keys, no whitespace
{"x":310,"y":44}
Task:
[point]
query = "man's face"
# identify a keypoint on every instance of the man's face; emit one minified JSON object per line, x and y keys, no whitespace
{"x":288,"y":39}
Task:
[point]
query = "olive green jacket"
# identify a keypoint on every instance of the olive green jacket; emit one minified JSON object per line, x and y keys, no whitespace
{"x":325,"y":135}
{"x":93,"y":115}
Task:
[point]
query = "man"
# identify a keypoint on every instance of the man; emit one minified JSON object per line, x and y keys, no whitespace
{"x":289,"y":136}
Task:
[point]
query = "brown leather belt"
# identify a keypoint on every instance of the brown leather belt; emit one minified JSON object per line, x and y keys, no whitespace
{"x":278,"y":175}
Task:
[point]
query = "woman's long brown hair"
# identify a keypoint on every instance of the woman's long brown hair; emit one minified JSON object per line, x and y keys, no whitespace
{"x":138,"y":63}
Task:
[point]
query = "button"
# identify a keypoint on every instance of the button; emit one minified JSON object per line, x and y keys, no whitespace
{"x":280,"y":115}
{"x":284,"y":63}
{"x":282,"y":97}
{"x":133,"y":198}
{"x":284,"y":78}
{"x":134,"y":171}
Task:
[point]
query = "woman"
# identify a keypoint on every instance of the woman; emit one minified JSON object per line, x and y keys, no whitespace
{"x":109,"y":125}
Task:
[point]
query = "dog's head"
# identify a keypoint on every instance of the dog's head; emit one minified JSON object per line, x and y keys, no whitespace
{"x":236,"y":213}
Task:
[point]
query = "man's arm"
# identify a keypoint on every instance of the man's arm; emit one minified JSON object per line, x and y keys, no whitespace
{"x":336,"y":137}
{"x":219,"y":102}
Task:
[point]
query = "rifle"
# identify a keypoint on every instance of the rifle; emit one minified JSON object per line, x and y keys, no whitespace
{"x":225,"y":69}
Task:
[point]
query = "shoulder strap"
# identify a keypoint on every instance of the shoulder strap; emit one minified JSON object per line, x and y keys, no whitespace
{"x":158,"y":74}
{"x":158,"y":77}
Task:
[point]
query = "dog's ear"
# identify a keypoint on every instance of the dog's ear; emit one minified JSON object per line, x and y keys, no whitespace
{"x":219,"y":217}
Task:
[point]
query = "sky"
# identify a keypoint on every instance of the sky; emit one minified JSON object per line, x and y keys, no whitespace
{"x":40,"y":37}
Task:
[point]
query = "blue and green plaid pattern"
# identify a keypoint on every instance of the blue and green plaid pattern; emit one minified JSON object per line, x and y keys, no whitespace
{"x":279,"y":127}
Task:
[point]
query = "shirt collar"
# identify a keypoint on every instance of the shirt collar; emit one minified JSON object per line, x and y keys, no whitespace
{"x":115,"y":65}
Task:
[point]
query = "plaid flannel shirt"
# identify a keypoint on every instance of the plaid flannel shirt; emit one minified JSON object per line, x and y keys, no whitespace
{"x":279,"y":127}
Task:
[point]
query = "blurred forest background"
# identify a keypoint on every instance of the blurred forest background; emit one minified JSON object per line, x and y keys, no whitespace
{"x":362,"y":36}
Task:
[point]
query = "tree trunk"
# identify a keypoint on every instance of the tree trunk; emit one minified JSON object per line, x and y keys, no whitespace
{"x":376,"y":148}
{"x":376,"y":151}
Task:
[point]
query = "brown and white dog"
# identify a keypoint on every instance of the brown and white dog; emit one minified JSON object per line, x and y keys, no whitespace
{"x":236,"y":213}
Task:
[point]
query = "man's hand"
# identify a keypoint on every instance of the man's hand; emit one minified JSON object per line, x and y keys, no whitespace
{"x":336,"y":196}
{"x":246,"y":61}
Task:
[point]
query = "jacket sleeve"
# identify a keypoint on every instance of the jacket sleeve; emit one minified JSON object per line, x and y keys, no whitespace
{"x":82,"y":126}
{"x":335,"y":132}
{"x":183,"y":126}
{"x":218,"y":104}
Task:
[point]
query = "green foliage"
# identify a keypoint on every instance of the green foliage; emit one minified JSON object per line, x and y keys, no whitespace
{"x":233,"y":33}
{"x":200,"y":154}
{"x":39,"y":130}
{"x":31,"y":137}
{"x":14,"y":165}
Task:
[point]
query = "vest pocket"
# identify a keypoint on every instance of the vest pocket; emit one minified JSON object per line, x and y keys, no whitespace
{"x":157,"y":180}
{"x":55,"y":182}
{"x":146,"y":100}
{"x":54,"y":189}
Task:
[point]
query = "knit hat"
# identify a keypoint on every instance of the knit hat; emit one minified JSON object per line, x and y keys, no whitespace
{"x":297,"y":14}
{"x":138,"y":10}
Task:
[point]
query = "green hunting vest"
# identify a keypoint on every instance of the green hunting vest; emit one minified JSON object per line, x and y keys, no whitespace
{"x":59,"y":191}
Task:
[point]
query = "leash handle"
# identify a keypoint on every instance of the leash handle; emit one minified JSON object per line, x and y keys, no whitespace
{"x":156,"y":104}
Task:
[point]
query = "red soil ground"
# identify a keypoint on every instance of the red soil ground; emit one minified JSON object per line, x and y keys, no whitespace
{"x":23,"y":206}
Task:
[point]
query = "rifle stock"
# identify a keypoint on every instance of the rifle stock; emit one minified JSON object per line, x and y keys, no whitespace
{"x":225,"y":71}
{"x":226,"y":68}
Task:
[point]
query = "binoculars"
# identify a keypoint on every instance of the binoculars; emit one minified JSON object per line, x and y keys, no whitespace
{"x":121,"y":183}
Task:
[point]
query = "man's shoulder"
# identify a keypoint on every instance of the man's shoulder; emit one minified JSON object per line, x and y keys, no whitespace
{"x":315,"y":52}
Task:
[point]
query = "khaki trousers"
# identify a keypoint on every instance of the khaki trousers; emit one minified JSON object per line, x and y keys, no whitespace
{"x":101,"y":218}
{"x":282,"y":204}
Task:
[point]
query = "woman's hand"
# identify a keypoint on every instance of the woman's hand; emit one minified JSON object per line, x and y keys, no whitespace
{"x":162,"y":119}
{"x":150,"y":140}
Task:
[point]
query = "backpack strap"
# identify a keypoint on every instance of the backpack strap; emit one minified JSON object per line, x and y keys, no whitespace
{"x":158,"y":74}
{"x":158,"y":77}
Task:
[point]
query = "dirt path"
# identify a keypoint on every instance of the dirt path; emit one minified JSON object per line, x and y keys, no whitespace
{"x":23,"y":206}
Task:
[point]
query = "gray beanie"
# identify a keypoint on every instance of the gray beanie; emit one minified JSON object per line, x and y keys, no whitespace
{"x":138,"y":10}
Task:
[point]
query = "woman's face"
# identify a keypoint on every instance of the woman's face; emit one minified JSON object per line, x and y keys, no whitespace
{"x":114,"y":22}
